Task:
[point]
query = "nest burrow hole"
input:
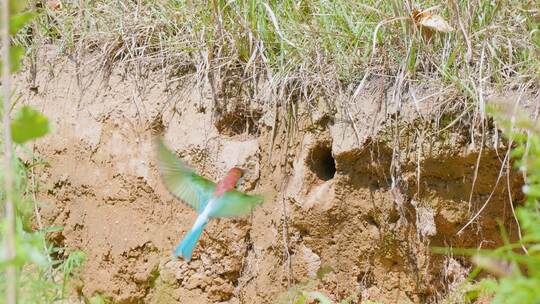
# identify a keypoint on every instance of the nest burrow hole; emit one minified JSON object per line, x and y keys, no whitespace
{"x":321,"y":162}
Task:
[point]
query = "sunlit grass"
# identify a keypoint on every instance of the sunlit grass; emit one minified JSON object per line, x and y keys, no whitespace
{"x":313,"y":47}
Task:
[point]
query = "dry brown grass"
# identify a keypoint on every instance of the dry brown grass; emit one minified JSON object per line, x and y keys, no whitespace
{"x":296,"y":51}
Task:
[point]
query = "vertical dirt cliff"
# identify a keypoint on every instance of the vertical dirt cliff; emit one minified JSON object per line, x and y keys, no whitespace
{"x":360,"y":190}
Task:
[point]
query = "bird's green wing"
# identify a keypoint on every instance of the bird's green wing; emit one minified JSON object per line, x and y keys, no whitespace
{"x":182,"y":182}
{"x":235,"y":203}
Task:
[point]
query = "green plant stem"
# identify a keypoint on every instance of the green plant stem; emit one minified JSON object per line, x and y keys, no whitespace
{"x":11,"y":270}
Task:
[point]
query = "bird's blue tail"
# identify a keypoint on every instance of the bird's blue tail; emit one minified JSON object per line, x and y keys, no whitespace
{"x":185,"y":249}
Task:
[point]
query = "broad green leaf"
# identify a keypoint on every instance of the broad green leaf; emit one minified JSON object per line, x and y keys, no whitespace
{"x":28,"y":124}
{"x":27,"y":248}
{"x":16,"y":6}
{"x":532,"y":190}
{"x":323,"y":271}
{"x":15,"y":55}
{"x":301,"y":299}
{"x":32,"y":253}
{"x":18,"y":21}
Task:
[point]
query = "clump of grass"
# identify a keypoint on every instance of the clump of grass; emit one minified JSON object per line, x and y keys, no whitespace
{"x":40,"y":277}
{"x":28,"y":272}
{"x":308,"y":49}
{"x":306,"y":292}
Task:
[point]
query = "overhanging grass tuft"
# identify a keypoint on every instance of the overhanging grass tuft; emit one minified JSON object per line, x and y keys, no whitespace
{"x":310,"y":49}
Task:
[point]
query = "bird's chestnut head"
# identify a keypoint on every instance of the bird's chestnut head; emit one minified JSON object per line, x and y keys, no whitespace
{"x":236,"y":172}
{"x":237,"y":175}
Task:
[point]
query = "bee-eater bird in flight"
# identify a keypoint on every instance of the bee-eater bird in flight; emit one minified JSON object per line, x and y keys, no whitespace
{"x":207,"y":198}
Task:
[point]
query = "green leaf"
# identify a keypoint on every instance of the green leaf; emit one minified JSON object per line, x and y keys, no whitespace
{"x":98,"y":299}
{"x":323,"y":271}
{"x":28,"y":124}
{"x":15,"y":55}
{"x":16,"y":6}
{"x":51,"y":229}
{"x":301,"y":299}
{"x":18,"y":21}
{"x":319,"y":297}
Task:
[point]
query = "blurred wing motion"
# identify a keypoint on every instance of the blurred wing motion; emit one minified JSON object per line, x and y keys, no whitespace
{"x":235,"y":203}
{"x":181,"y":181}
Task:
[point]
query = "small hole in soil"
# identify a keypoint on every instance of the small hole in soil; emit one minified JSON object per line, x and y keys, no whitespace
{"x":321,"y":162}
{"x":238,"y":122}
{"x":371,"y":220}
